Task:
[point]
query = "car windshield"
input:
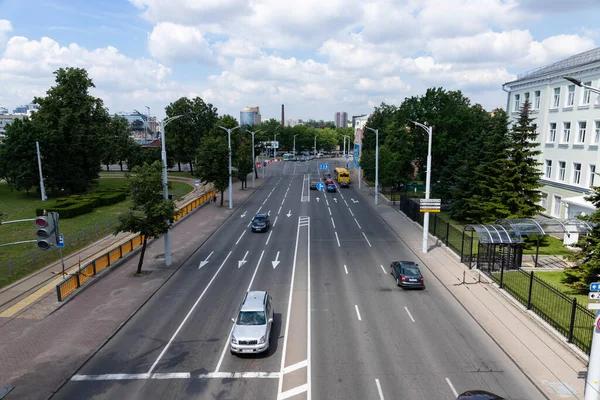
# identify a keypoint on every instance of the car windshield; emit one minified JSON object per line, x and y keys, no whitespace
{"x":410,"y":271}
{"x":259,"y":219}
{"x":251,"y":318}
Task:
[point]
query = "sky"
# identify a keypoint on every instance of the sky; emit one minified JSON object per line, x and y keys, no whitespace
{"x":315,"y":56}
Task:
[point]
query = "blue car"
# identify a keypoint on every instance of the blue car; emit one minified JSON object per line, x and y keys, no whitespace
{"x":331,"y":188}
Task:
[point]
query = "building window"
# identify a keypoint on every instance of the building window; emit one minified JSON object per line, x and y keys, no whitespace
{"x":562,"y":167}
{"x":556,"y":98}
{"x":549,"y":169}
{"x":517,"y":102}
{"x":566,"y":132}
{"x":582,"y":129}
{"x":597,"y":133}
{"x":552,"y":135}
{"x":576,"y":173}
{"x":556,"y":209}
{"x":586,"y":94}
{"x":544,"y":201}
{"x":527,"y":98}
{"x":592,"y":176}
{"x":571,"y":96}
{"x":536,"y":100}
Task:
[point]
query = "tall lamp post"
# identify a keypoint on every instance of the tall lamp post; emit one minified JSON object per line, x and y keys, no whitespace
{"x":147,"y":123}
{"x":165,"y":182}
{"x":429,"y":131}
{"x":229,"y":130}
{"x":253,"y":158}
{"x":315,"y":148}
{"x":376,"y":163}
{"x":592,"y":380}
{"x":294,"y":151}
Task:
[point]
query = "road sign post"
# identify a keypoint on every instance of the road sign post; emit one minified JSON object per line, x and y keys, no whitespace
{"x":430,"y":205}
{"x":320,"y":186}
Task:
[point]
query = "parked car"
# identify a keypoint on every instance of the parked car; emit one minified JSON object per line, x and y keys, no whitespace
{"x":478,"y":395}
{"x":261,"y":223}
{"x":407,"y":274}
{"x":313,"y":186}
{"x":344,"y":184}
{"x":252,"y":330}
{"x":331,"y":188}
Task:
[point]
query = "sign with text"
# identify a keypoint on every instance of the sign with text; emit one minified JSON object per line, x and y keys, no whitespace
{"x":430,"y":205}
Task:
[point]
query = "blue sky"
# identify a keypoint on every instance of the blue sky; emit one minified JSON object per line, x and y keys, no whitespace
{"x":315,"y":57}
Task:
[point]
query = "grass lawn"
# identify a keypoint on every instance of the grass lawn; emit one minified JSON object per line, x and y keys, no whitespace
{"x":554,"y":278}
{"x":78,"y":232}
{"x":549,"y":245}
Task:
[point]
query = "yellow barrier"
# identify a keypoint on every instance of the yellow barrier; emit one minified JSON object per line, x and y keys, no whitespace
{"x":70,"y":284}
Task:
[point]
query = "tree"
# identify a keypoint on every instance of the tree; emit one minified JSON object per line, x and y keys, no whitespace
{"x":149,"y":213}
{"x":184,"y":135}
{"x":243,"y":161}
{"x":213,"y":160}
{"x":117,"y":144}
{"x":18,"y":156}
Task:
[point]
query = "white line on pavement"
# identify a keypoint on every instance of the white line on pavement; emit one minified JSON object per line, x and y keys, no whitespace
{"x":329,"y":209}
{"x":162,"y":353}
{"x":409,"y":314}
{"x":338,"y":239}
{"x":379,"y":389}
{"x":333,"y":222}
{"x":265,"y":201}
{"x":231,"y":330}
{"x":259,"y":208}
{"x":367,"y":239}
{"x":327,"y":201}
{"x":351,"y":212}
{"x":383,"y":269}
{"x":293,"y":392}
{"x":279,"y":209}
{"x":175,"y":375}
{"x":452,"y":387}
{"x":269,"y":238}
{"x":308,"y":318}
{"x":357,"y":223}
{"x":296,"y":366}
{"x":346,"y":269}
{"x":243,"y":233}
{"x":357,"y":312}
{"x":346,"y":203}
{"x":274,"y":223}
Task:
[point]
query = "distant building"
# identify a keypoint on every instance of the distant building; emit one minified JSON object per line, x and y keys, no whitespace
{"x":250,"y":116}
{"x":3,"y":111}
{"x":26,"y":109}
{"x":291,"y":122}
{"x":341,"y":119}
{"x":131,"y":117}
{"x":6,"y":119}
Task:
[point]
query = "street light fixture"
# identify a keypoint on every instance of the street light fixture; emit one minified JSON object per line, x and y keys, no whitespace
{"x":376,"y":163}
{"x":275,"y":148}
{"x":429,"y":131}
{"x":294,"y":151}
{"x":144,"y":120}
{"x":315,"y":148}
{"x":253,"y":158}
{"x":229,"y":130}
{"x":577,"y":82}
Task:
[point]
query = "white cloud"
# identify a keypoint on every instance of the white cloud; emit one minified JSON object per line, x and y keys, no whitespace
{"x":172,"y":42}
{"x":5,"y":29}
{"x":191,"y":12}
{"x":238,"y":47}
{"x":385,"y":85}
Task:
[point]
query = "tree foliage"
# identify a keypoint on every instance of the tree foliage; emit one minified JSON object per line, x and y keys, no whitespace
{"x":213,"y":162}
{"x":18,"y":156}
{"x":149,"y":213}
{"x":117,"y":145}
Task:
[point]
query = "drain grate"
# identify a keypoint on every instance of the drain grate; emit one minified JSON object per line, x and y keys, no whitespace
{"x":4,"y":390}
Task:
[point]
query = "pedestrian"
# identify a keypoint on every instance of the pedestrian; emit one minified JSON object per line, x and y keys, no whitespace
{"x":214,"y":199}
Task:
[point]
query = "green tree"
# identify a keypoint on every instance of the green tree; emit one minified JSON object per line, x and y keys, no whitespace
{"x":243,"y":161}
{"x":184,"y":135}
{"x":213,"y":162}
{"x":117,"y":143}
{"x":149,"y":213}
{"x":18,"y":156}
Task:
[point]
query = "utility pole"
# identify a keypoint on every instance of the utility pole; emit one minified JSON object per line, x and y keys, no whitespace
{"x":376,"y":163}
{"x":229,"y":130}
{"x":39,"y":157}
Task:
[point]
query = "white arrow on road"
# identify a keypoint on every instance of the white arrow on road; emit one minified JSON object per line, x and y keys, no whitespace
{"x":242,"y":261}
{"x":354,"y":201}
{"x":276,"y":262}
{"x":318,"y":200}
{"x":203,"y":263}
{"x":335,"y":199}
{"x":244,"y":214}
{"x":289,"y":214}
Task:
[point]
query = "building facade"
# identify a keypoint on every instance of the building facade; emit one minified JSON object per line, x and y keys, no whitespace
{"x":341,"y":119}
{"x":25,"y":109}
{"x":3,"y":111}
{"x":250,"y":116}
{"x":568,"y":124}
{"x":6,"y":119}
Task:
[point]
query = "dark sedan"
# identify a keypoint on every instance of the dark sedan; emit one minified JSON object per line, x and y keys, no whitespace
{"x":313,"y":186}
{"x":478,"y":395}
{"x":261,"y":223}
{"x":331,"y":188}
{"x":407,"y":274}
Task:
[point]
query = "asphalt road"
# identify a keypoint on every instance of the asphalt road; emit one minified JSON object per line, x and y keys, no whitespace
{"x":342,"y":329}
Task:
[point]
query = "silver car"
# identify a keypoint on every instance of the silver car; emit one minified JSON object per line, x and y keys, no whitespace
{"x":252,"y":329}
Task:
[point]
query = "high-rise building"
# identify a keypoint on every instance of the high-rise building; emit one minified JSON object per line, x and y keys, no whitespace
{"x":25,"y":109}
{"x":6,"y":119}
{"x":341,"y":119}
{"x":3,"y":111}
{"x":250,"y":116}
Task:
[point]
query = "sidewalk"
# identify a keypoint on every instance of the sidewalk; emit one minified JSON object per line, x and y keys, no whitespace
{"x":41,"y":347}
{"x":542,"y":354}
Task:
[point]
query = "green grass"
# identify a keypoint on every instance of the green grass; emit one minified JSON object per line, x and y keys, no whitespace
{"x":549,"y":245}
{"x":554,"y":279}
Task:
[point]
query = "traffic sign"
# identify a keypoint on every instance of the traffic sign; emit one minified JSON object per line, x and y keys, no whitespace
{"x":196,"y":183}
{"x":323,"y":166}
{"x":61,"y":240}
{"x":594,"y":295}
{"x":320,"y":186}
{"x":595,"y":287}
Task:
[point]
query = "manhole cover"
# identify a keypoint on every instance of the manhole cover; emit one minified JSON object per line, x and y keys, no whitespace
{"x":4,"y":390}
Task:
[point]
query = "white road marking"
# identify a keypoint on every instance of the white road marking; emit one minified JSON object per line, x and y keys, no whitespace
{"x":275,"y":223}
{"x":296,"y":366}
{"x":276,"y":262}
{"x":309,"y":329}
{"x":231,"y":330}
{"x":452,"y":387}
{"x":327,"y":201}
{"x":346,"y":203}
{"x":351,"y":212}
{"x":265,"y":201}
{"x":367,"y":239}
{"x":285,"y":195}
{"x":269,"y":238}
{"x":338,"y":239}
{"x":383,"y":269}
{"x":357,"y":312}
{"x":357,"y":223}
{"x":175,"y":375}
{"x":203,"y":263}
{"x":293,"y":392}
{"x":333,"y":222}
{"x":282,"y":201}
{"x":243,"y":233}
{"x":278,"y":212}
{"x":329,"y":209}
{"x":259,"y":208}
{"x":243,"y":260}
{"x":409,"y":314}
{"x":379,"y":389}
{"x":162,"y":353}
{"x":346,"y":269}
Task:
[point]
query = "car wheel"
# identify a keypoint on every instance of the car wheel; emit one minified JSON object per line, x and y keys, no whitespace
{"x":232,"y":352}
{"x":392,"y":272}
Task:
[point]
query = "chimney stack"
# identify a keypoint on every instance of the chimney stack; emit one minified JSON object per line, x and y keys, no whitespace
{"x":282,"y":116}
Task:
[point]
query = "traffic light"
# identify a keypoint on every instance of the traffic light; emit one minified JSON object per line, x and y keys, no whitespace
{"x":46,"y":230}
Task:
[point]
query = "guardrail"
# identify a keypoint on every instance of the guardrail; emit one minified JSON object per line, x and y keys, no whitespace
{"x":85,"y":272}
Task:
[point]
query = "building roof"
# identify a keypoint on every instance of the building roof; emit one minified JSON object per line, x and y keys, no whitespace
{"x":578,"y":60}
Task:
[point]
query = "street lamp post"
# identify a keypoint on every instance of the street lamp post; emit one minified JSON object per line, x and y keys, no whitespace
{"x":253,"y":158}
{"x":315,"y":148}
{"x":294,"y":151}
{"x":577,"y":82}
{"x":165,"y":182}
{"x":429,"y":131}
{"x":229,"y":130}
{"x":376,"y":163}
{"x":275,"y":148}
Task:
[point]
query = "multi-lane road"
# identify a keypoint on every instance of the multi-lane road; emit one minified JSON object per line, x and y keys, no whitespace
{"x":342,"y":329}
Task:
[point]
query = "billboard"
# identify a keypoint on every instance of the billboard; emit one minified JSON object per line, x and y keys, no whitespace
{"x":356,"y":155}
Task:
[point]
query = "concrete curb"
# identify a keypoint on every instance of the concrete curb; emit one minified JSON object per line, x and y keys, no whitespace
{"x":144,"y":302}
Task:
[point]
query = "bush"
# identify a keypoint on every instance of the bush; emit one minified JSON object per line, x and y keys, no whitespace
{"x":73,"y":206}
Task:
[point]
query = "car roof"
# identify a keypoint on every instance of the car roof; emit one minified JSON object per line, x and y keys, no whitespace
{"x":260,"y":215}
{"x":254,"y":301}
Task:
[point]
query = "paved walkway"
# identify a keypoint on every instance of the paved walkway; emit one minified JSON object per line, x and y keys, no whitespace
{"x":42,"y":346}
{"x":544,"y":356}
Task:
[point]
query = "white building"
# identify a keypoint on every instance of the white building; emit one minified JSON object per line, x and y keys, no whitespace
{"x":568,"y":123}
{"x":6,"y":119}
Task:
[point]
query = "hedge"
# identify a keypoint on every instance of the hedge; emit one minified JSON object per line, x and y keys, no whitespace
{"x":73,"y":206}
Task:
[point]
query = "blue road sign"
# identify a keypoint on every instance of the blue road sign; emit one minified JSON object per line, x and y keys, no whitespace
{"x":61,"y":240}
{"x":595,"y":287}
{"x":323,"y":166}
{"x":320,"y":186}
